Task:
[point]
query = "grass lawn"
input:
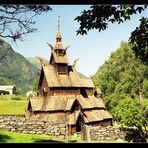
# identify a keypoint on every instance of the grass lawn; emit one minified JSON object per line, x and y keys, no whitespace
{"x":16,"y":107}
{"x":13,"y":137}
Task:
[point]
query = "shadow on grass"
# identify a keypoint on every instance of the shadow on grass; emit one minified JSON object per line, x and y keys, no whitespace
{"x":4,"y":138}
{"x":46,"y":141}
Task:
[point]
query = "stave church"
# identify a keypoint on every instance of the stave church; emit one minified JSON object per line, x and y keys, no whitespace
{"x":65,"y":96}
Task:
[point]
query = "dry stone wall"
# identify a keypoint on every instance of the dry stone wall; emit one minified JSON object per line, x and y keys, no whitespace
{"x":119,"y":134}
{"x":20,"y":124}
{"x":106,"y":133}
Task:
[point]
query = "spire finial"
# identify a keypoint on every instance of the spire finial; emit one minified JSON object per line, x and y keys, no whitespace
{"x":75,"y":62}
{"x":58,"y":36}
{"x":58,"y":23}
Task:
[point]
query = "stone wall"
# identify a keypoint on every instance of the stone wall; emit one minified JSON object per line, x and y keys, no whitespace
{"x":106,"y":133}
{"x":114,"y":133}
{"x":21,"y":124}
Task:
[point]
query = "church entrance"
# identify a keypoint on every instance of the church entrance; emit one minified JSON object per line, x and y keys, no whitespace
{"x":79,"y":124}
{"x":76,"y":128}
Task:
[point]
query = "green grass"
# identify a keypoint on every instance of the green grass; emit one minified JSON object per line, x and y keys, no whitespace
{"x":16,"y":107}
{"x":13,"y":97}
{"x":77,"y":139}
{"x":13,"y":137}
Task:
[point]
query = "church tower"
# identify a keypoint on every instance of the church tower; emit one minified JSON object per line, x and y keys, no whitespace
{"x":59,"y":57}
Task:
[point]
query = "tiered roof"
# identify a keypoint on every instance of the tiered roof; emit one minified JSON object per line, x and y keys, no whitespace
{"x":72,"y":79}
{"x":60,"y":108}
{"x":93,"y":108}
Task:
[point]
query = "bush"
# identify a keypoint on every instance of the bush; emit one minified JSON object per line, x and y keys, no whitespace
{"x":128,"y":113}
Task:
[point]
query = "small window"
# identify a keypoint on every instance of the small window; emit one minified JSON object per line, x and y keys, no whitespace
{"x":83,"y":93}
{"x":62,"y":69}
{"x":60,"y":52}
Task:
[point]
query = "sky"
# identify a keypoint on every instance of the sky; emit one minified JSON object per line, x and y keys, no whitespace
{"x":92,"y":49}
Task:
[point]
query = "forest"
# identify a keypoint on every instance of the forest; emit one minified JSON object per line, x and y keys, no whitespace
{"x":124,"y":85}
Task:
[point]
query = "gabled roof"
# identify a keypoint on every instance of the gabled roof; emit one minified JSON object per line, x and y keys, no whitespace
{"x":53,"y":103}
{"x":87,"y":83}
{"x":72,"y":79}
{"x":90,"y":102}
{"x":96,"y":115}
{"x":93,"y":108}
{"x":60,"y":59}
{"x":6,"y":87}
{"x":65,"y":103}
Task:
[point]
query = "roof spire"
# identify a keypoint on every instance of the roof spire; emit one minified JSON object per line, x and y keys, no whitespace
{"x":58,"y":36}
{"x":58,"y":23}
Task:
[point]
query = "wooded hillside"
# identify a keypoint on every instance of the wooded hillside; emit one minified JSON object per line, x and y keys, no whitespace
{"x":16,"y":69}
{"x":122,"y":76}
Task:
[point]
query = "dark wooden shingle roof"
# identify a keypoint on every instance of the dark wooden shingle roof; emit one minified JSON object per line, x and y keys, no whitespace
{"x":71,"y":79}
{"x":93,"y":108}
{"x":60,"y":59}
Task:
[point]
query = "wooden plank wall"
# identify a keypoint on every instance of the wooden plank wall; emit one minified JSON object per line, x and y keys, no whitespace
{"x":66,"y":92}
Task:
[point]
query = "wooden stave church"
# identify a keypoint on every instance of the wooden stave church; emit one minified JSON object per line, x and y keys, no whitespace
{"x":65,"y":96}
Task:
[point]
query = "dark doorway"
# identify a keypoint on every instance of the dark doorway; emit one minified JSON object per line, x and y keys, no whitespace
{"x":79,"y":124}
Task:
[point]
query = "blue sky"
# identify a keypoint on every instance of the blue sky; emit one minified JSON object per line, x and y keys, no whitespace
{"x":91,"y":49}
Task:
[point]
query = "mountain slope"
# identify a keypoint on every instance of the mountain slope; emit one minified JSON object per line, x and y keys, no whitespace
{"x":16,"y":69}
{"x":36,"y":62}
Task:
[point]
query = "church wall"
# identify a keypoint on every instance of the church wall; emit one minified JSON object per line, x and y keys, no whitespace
{"x":44,"y":83}
{"x":66,"y":91}
{"x":45,"y":88}
{"x":52,"y":117}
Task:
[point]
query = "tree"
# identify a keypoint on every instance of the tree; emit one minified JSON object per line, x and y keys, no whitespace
{"x":99,"y":16}
{"x":128,"y":113}
{"x":35,"y":85}
{"x":18,"y":20}
{"x":145,"y":111}
{"x":122,"y":76}
{"x":139,"y":40}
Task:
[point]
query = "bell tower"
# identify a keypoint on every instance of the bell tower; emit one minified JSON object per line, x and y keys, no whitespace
{"x":58,"y":54}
